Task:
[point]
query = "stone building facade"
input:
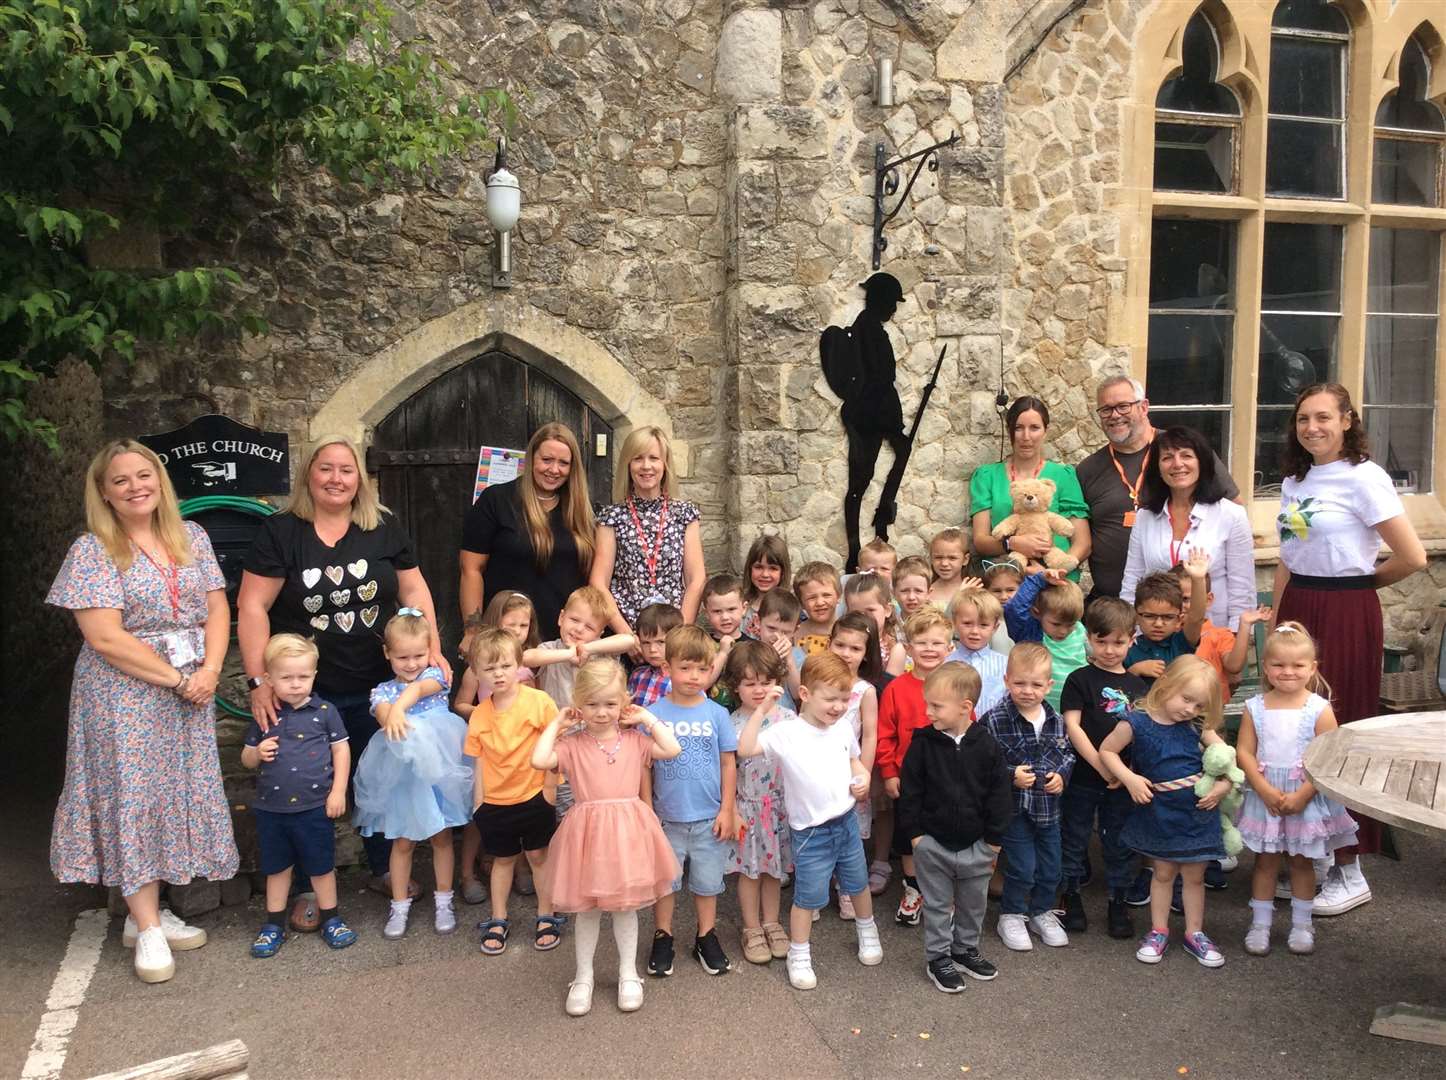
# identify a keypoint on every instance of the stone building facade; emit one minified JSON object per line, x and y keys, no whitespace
{"x":697,"y":180}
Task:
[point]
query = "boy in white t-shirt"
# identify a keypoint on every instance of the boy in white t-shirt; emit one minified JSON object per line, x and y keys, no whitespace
{"x":822,"y":780}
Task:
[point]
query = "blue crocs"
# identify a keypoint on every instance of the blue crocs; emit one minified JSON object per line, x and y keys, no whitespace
{"x":337,"y":934}
{"x":268,"y":942}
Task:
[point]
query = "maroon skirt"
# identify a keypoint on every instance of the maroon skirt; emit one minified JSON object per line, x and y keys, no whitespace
{"x":1344,"y":617}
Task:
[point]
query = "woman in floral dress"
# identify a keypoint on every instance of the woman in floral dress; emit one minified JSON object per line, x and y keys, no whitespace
{"x":143,"y":800}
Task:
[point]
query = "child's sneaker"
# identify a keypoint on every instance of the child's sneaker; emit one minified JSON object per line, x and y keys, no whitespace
{"x":445,"y":919}
{"x":1215,"y":875}
{"x":579,"y":999}
{"x":910,"y":906}
{"x":777,"y":939}
{"x":660,"y":960}
{"x":1203,"y":949}
{"x":710,"y":954}
{"x":1152,"y":947}
{"x":153,"y":956}
{"x":879,"y":873}
{"x":1229,"y":863}
{"x":944,"y":975}
{"x":846,"y":907}
{"x":800,"y":972}
{"x":397,"y":917}
{"x":268,"y":941}
{"x":1046,"y":925}
{"x":1075,"y":920}
{"x":1117,"y":919}
{"x":755,"y":945}
{"x":1138,"y":894}
{"x":1013,"y":932}
{"x":630,"y":995}
{"x":971,"y":962}
{"x":870,"y":951}
{"x":1301,"y":940}
{"x":1257,"y":939}
{"x":337,"y":934}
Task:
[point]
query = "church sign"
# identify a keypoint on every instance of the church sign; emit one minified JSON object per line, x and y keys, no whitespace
{"x":215,"y":455}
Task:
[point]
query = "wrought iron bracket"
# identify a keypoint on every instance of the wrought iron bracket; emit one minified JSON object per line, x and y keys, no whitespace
{"x":886,"y":183}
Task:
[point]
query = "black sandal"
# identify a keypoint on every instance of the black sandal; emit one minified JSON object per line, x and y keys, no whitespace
{"x":494,"y":934}
{"x":548,"y":926}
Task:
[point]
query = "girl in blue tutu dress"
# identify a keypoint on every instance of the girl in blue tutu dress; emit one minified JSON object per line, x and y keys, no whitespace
{"x":1181,"y":833}
{"x":1284,"y":816}
{"x":413,"y":782}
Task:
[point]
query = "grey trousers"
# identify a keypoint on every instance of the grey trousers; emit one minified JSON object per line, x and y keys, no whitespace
{"x":955,"y":885}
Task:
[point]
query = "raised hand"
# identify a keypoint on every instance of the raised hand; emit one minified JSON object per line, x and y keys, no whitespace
{"x":1197,"y":563}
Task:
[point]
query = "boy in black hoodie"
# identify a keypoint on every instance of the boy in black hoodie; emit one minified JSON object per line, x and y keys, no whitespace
{"x":955,"y":802}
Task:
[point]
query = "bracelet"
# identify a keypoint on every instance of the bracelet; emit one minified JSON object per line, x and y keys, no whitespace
{"x":180,"y":680}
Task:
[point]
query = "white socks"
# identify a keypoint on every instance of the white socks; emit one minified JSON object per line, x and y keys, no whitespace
{"x":861,"y":923}
{"x":1262,"y":912}
{"x":402,"y":907}
{"x":798,"y":952}
{"x":441,"y":898}
{"x":625,"y":933}
{"x":1300,"y":911}
{"x":589,"y":924}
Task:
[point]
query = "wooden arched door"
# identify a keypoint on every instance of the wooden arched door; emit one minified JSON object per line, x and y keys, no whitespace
{"x":424,"y":455}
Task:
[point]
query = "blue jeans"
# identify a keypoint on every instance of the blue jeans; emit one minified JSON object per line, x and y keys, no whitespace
{"x":832,"y":849}
{"x":361,"y":725}
{"x":1080,"y":805}
{"x":1031,"y":867}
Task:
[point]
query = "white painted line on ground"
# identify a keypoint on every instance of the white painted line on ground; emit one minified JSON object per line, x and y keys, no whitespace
{"x":67,"y":993}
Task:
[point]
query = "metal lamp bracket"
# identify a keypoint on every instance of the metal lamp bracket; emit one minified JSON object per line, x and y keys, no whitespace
{"x":886,"y":183}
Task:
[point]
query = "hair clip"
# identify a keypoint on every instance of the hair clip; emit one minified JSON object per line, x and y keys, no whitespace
{"x":410,"y":611}
{"x":990,"y":564}
{"x":1287,"y":629}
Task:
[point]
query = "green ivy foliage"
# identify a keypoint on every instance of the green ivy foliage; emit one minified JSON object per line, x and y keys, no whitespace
{"x":142,"y":108}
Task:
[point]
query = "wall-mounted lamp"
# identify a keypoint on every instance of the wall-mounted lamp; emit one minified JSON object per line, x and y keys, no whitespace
{"x":504,"y":205}
{"x":884,"y":83}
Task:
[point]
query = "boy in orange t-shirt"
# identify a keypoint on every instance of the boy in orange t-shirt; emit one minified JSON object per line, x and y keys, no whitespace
{"x":510,"y":810}
{"x":1222,"y":649}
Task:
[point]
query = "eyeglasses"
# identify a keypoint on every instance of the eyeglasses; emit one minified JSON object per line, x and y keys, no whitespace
{"x":1104,"y":412}
{"x":1160,"y":617}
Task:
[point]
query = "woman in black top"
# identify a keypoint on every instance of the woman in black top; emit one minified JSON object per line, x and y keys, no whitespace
{"x":533,"y":534}
{"x":334,"y":568}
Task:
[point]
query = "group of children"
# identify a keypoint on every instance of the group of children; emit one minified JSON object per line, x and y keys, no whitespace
{"x":936,"y":717}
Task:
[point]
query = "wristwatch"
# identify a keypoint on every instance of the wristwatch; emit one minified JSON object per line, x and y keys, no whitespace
{"x":256,"y":683}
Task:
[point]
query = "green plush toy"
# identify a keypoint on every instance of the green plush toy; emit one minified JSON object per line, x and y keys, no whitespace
{"x":1217,"y":761}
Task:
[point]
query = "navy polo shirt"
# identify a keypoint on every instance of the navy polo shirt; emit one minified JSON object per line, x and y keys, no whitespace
{"x":1176,"y":645}
{"x":300,"y":776}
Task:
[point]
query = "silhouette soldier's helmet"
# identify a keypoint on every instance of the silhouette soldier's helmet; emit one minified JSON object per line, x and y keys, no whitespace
{"x":882,"y":286}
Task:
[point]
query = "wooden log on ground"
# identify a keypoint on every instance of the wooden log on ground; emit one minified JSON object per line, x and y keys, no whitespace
{"x":224,"y":1061}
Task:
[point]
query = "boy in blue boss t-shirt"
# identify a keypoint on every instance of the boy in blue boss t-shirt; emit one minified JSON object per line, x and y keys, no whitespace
{"x":304,"y":760}
{"x":693,"y":795}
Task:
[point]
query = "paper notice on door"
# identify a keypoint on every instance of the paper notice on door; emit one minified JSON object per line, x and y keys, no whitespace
{"x":496,"y":465}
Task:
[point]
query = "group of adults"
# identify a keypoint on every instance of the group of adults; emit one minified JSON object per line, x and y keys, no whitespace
{"x":143,"y":800}
{"x":1147,"y":497}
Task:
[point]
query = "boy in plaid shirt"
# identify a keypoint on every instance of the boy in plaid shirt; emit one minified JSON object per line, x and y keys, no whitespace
{"x":1037,"y":748}
{"x":648,"y":683}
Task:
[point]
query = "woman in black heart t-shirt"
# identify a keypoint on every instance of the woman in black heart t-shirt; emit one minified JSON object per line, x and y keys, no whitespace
{"x":334,"y":567}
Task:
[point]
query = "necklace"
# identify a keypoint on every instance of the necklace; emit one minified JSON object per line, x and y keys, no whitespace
{"x":1014,"y":474}
{"x":611,"y":755}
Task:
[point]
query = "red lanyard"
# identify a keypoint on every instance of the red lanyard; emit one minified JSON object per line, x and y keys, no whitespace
{"x":651,"y":552}
{"x":171,"y":576}
{"x":1176,"y":546}
{"x":1133,"y":489}
{"x":1013,"y":476}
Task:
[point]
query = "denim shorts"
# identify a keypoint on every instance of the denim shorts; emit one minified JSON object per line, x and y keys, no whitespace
{"x":700,"y":852}
{"x":306,"y":841}
{"x":830,"y":850}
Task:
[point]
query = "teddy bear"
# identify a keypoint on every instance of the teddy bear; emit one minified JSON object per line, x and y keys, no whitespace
{"x":1031,"y":497}
{"x":1219,"y":760}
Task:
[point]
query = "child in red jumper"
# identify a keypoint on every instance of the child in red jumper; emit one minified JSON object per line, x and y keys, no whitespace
{"x":929,"y":637}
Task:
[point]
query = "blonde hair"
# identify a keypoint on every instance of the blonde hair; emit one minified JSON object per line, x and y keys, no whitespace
{"x":366,"y":508}
{"x":950,"y":535}
{"x":913,"y":566}
{"x":406,"y":625}
{"x":826,"y":669}
{"x":577,"y":513}
{"x":985,"y":604}
{"x":636,"y":442}
{"x":1029,"y":656}
{"x":507,"y":601}
{"x":1288,"y":635}
{"x":689,"y":644}
{"x":491,"y":645}
{"x":926,"y":618}
{"x":598,"y":674}
{"x":1064,"y":601}
{"x":1191,"y":673}
{"x":811,"y":572}
{"x":594,"y":600}
{"x":280,"y":646}
{"x":100,"y":518}
{"x":956,"y":679}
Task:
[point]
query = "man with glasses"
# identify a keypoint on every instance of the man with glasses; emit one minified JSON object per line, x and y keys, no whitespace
{"x":1112,"y":476}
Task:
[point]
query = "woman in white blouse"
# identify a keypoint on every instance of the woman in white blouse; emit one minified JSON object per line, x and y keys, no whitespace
{"x":1183,"y":506}
{"x":1336,"y":507}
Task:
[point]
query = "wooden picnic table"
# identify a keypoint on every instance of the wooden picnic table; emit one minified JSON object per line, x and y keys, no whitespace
{"x":1390,"y":767}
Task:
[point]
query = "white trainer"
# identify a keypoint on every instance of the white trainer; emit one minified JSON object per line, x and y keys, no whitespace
{"x":630,"y":995}
{"x":1014,"y":933}
{"x":579,"y":999}
{"x":1341,"y":892}
{"x":445,"y":919}
{"x":800,"y":972}
{"x":1046,"y":925}
{"x":1229,"y":863}
{"x":871,"y":952}
{"x":396,"y":921}
{"x":179,"y":936}
{"x":1257,"y":939}
{"x":1301,"y":940}
{"x":153,"y":956}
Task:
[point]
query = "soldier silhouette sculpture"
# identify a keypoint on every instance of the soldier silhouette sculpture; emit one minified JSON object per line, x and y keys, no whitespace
{"x":858,"y":364}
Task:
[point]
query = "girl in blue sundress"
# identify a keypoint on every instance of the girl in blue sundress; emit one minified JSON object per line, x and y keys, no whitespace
{"x":414,"y":784}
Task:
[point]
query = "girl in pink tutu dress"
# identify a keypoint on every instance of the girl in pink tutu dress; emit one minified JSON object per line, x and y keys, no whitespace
{"x":609,"y":853}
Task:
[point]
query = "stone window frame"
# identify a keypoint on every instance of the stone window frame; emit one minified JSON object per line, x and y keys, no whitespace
{"x":1243,"y":32}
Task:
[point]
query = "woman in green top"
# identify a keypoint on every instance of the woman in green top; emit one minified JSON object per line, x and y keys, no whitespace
{"x":1027,"y":422}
